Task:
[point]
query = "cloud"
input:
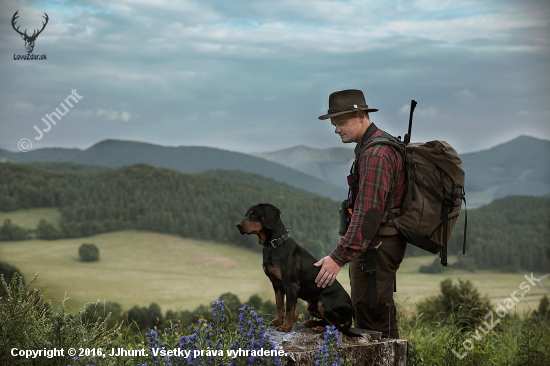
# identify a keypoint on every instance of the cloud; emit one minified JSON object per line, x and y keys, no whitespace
{"x":465,"y":95}
{"x":113,"y":115}
{"x":22,"y":106}
{"x":251,"y":65}
{"x":423,"y":112}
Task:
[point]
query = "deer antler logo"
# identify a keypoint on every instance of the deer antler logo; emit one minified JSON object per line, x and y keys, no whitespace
{"x":29,"y":40}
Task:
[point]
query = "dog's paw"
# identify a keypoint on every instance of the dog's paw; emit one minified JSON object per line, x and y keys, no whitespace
{"x":319,"y":329}
{"x":310,"y":323}
{"x":276,"y":322}
{"x":284,"y":328}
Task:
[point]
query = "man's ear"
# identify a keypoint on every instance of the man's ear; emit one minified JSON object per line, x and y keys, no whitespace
{"x":272,"y":215}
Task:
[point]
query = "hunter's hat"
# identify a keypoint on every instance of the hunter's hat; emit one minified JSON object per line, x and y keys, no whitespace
{"x":346,"y":101}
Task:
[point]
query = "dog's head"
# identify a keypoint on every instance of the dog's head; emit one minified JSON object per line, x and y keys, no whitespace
{"x":258,"y":218}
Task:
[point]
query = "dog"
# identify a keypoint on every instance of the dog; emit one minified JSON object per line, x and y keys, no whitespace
{"x":292,"y":273}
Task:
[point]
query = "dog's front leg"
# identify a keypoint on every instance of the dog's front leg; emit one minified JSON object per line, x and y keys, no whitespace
{"x":280,"y":302}
{"x":291,"y":300}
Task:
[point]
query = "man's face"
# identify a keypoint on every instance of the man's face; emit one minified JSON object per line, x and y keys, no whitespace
{"x":349,"y":126}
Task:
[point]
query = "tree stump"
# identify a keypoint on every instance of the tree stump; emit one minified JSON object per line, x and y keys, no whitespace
{"x":301,"y":345}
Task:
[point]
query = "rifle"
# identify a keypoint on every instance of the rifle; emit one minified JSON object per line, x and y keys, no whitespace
{"x":407,"y":137}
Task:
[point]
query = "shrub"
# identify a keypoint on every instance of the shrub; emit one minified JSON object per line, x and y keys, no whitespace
{"x":9,"y":231}
{"x":145,"y":318}
{"x":255,"y":302}
{"x":232,"y":303}
{"x":543,"y":311}
{"x":96,"y":311}
{"x":47,"y":231}
{"x":434,"y":267}
{"x":460,"y":304}
{"x":88,"y":252}
{"x":8,"y":271}
{"x":29,"y":322}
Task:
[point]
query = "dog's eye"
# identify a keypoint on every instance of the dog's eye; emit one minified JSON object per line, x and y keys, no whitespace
{"x":254,"y":215}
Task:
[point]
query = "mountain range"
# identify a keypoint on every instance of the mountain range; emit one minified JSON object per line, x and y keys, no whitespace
{"x":183,"y":159}
{"x":517,"y":167}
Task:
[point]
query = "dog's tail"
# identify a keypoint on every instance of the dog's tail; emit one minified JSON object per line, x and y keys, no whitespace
{"x":349,"y":333}
{"x":345,"y":330}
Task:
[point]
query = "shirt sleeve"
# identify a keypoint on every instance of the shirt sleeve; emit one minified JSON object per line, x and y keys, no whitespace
{"x":376,"y":175}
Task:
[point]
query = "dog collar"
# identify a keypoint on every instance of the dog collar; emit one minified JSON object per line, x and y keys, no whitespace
{"x":276,"y":242}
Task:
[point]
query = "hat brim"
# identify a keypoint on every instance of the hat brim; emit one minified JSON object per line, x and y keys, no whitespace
{"x":330,"y":115}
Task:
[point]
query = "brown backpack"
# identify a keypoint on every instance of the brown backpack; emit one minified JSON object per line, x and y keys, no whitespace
{"x":433,"y":194}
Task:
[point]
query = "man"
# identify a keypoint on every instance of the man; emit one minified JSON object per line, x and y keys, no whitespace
{"x":365,"y":245}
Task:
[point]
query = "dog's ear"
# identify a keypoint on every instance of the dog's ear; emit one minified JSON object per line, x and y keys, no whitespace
{"x":272,"y":215}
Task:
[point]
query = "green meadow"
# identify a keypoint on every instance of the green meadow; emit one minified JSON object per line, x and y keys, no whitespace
{"x":138,"y":268}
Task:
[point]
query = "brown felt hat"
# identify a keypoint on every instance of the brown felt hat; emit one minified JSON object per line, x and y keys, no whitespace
{"x":346,"y":101}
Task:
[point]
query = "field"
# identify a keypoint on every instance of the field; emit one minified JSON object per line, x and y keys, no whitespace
{"x":138,"y":268}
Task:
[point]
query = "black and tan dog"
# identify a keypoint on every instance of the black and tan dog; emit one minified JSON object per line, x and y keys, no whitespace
{"x":292,"y":273}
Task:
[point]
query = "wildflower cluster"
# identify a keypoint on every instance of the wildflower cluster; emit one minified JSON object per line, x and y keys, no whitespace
{"x":251,"y":336}
{"x":326,"y":354}
{"x":211,"y":343}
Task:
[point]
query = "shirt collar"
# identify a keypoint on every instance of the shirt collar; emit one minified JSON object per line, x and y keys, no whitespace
{"x":368,"y":134}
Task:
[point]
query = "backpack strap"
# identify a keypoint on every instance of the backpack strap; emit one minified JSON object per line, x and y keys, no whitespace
{"x":370,"y":271}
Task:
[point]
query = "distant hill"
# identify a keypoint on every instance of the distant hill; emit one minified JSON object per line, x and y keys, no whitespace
{"x":517,"y":167}
{"x":183,"y":159}
{"x":332,"y":164}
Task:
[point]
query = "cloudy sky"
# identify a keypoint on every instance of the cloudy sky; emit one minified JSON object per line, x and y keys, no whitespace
{"x":254,"y":75}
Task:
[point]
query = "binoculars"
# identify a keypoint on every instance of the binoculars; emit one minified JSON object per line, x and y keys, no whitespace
{"x":345,"y":217}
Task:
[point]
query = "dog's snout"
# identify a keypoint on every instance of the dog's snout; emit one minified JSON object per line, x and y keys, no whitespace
{"x":240,"y":226}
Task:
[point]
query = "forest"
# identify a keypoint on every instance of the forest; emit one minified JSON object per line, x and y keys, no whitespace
{"x":509,"y":234}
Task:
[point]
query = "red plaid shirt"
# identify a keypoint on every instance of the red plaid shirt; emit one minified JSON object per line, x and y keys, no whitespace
{"x":381,"y":182}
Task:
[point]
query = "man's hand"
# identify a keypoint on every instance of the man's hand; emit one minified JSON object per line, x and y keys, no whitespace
{"x":327,"y":274}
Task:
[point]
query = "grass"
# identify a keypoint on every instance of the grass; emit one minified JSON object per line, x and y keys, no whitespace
{"x":29,"y":218}
{"x":137,"y":268}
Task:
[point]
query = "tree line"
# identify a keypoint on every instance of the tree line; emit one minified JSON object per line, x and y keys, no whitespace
{"x":509,"y":234}
{"x":155,"y":199}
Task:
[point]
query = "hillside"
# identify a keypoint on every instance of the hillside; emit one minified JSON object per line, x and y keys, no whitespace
{"x":183,"y":159}
{"x":172,"y":271}
{"x":519,"y":166}
{"x":510,"y":234}
{"x":332,"y":165}
{"x":147,"y":198}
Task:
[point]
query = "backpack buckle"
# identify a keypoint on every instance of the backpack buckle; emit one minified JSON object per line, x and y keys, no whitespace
{"x":457,"y":192}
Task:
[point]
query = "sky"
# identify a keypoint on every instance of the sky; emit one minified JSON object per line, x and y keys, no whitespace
{"x":254,"y":75}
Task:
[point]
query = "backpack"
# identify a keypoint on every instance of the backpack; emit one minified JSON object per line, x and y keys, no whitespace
{"x":432,"y":196}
